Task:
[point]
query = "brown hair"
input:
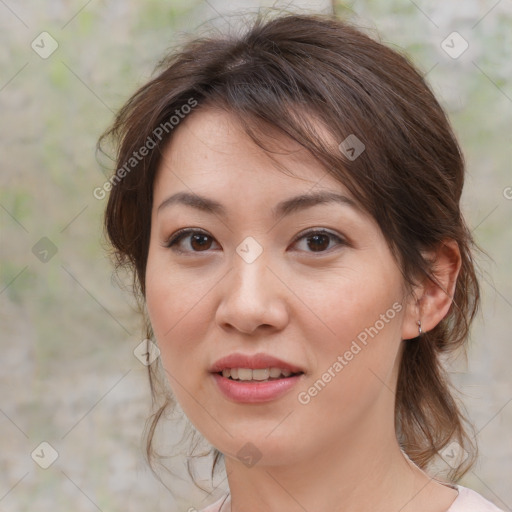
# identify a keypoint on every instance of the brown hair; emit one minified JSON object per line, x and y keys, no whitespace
{"x":409,"y":177}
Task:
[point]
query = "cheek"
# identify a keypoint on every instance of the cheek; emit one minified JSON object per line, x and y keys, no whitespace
{"x":352,"y":305}
{"x":179,"y":325}
{"x":173,"y":293}
{"x":176,"y":305}
{"x":357,"y":338}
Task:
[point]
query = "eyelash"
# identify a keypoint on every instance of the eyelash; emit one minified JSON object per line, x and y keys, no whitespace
{"x":174,"y":239}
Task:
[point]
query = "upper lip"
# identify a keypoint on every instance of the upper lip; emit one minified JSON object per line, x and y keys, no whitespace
{"x":253,"y":362}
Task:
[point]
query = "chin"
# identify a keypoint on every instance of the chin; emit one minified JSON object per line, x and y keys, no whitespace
{"x":256,"y":446}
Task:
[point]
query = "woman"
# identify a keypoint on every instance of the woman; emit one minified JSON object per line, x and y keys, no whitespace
{"x":288,"y":200}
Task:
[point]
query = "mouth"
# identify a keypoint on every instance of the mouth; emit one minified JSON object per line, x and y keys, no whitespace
{"x":254,"y":378}
{"x":256,"y":375}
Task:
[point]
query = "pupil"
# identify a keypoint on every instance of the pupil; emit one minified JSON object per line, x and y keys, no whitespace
{"x":202,"y":241}
{"x":318,"y":238}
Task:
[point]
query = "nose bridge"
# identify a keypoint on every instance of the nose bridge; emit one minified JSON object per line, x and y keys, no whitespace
{"x":250,"y":278}
{"x":250,"y":266}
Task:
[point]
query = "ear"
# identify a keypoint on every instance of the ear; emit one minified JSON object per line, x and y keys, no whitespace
{"x":430,"y":301}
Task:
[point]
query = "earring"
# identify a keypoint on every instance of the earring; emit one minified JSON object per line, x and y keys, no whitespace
{"x":419,"y":327}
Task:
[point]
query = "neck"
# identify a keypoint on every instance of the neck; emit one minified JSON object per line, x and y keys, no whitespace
{"x":368,"y":471}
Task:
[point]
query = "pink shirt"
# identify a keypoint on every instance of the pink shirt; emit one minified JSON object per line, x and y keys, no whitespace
{"x":466,"y":501}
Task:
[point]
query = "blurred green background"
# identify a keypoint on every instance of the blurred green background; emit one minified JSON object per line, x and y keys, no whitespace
{"x":68,"y":373}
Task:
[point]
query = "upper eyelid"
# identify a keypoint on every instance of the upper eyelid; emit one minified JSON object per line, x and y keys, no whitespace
{"x":184,"y":232}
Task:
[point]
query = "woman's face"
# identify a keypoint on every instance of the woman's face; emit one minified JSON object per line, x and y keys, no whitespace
{"x":309,"y":282}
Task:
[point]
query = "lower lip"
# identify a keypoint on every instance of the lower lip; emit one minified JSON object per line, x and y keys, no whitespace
{"x":254,"y":391}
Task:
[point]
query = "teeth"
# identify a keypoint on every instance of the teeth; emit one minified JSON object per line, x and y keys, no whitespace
{"x":244,"y":374}
{"x":259,"y":374}
{"x":275,"y":373}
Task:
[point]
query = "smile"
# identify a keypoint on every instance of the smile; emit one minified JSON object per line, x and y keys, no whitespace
{"x":257,"y":374}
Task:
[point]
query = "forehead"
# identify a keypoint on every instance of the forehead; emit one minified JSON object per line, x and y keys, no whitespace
{"x":210,"y":150}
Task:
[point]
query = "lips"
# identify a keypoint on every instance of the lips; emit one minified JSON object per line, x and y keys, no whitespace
{"x":231,"y":375}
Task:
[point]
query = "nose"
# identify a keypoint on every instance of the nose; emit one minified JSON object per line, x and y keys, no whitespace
{"x":253,"y":298}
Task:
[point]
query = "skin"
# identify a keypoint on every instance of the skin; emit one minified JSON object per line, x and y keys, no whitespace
{"x":306,"y":306}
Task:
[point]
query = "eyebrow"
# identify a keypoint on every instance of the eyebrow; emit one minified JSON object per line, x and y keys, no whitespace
{"x":282,"y":209}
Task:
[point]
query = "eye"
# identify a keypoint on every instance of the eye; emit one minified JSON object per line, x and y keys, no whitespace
{"x":319,"y":240}
{"x":197,"y":241}
{"x":194,"y":240}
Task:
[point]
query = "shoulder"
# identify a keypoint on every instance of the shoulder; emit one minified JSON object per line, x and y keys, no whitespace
{"x":470,"y":501}
{"x":215,"y":507}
